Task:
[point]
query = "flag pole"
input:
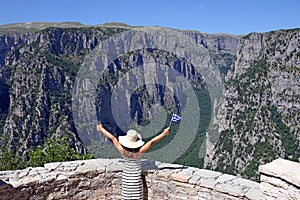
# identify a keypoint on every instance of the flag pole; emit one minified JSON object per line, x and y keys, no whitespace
{"x":171,"y":120}
{"x":170,"y":123}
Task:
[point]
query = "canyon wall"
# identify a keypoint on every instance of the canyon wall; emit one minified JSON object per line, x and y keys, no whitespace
{"x":252,"y":112}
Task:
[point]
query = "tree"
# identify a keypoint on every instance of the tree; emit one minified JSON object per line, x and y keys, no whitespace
{"x":54,"y":151}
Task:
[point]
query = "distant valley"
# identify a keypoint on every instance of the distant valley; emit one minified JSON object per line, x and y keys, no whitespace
{"x":251,"y":119}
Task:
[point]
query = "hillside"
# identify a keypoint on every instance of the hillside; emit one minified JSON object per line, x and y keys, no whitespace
{"x":259,"y":117}
{"x":246,"y":90}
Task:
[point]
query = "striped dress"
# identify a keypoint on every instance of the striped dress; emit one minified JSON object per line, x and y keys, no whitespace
{"x":132,"y":185}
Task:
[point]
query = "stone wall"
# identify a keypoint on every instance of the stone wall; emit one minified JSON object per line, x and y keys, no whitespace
{"x":280,"y":179}
{"x":101,"y":179}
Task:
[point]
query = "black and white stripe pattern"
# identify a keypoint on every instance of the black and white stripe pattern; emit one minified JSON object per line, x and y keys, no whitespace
{"x":132,"y":185}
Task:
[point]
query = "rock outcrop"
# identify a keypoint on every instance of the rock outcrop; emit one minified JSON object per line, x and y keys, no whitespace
{"x":280,"y":179}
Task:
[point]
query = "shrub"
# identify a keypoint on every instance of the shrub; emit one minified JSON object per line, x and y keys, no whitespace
{"x":54,"y":151}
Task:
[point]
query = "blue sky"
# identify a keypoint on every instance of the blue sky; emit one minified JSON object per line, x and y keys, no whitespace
{"x":211,"y":16}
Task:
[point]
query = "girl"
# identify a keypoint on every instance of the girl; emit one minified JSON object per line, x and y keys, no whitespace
{"x":131,"y":146}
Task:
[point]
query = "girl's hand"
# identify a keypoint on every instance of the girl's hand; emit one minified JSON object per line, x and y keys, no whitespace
{"x":99,"y":126}
{"x":167,"y":131}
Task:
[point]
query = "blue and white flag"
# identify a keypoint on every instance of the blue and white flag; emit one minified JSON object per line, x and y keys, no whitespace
{"x":175,"y":118}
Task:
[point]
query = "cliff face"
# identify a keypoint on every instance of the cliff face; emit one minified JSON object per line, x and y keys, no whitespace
{"x":259,"y":116}
{"x":38,"y":71}
{"x":147,"y":78}
{"x":37,"y":74}
{"x":252,"y":119}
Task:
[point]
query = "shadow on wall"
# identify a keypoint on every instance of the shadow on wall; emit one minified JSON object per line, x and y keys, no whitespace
{"x":150,"y":165}
{"x":4,"y":185}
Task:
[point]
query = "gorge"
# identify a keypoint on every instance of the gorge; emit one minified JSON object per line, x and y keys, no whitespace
{"x":247,"y":90}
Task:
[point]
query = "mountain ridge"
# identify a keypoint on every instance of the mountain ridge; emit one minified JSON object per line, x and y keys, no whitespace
{"x":38,"y":69}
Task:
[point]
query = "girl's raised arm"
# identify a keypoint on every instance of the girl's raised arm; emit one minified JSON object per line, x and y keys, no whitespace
{"x":110,"y":136}
{"x":154,"y":140}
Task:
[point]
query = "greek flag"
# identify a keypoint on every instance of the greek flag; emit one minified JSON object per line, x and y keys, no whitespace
{"x":175,"y":118}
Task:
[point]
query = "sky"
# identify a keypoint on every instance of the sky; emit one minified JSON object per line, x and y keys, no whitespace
{"x":210,"y":16}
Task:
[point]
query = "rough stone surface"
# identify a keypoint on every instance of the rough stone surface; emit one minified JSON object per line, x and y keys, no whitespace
{"x":101,"y":179}
{"x":262,"y":83}
{"x":280,"y":179}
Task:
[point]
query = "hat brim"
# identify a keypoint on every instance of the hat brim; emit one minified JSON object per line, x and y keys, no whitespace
{"x":132,"y":145}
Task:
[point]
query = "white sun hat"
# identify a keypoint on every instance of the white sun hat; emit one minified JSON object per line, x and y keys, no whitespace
{"x":131,"y":140}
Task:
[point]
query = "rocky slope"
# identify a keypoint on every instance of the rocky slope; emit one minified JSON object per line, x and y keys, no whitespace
{"x":259,"y":117}
{"x":251,"y":120}
{"x":38,"y":70}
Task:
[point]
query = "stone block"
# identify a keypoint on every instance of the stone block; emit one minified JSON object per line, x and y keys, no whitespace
{"x":194,"y":179}
{"x":274,"y":181}
{"x":204,"y":173}
{"x":164,"y":174}
{"x":280,"y":179}
{"x":90,"y":179}
{"x":230,"y":189}
{"x":22,"y":173}
{"x":252,"y":194}
{"x":52,"y":166}
{"x":180,"y":177}
{"x":267,"y":191}
{"x":293,"y":192}
{"x":246,"y":184}
{"x":61,"y":177}
{"x":207,"y":183}
{"x":225,"y":178}
{"x":113,"y":165}
{"x":283,"y":169}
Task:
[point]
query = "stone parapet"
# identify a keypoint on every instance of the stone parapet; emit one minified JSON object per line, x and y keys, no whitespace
{"x":280,"y":179}
{"x":101,"y":179}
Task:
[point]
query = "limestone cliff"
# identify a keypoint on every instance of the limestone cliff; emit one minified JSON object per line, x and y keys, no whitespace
{"x":38,"y":69}
{"x":259,"y":117}
{"x":37,"y":75}
{"x":252,"y":119}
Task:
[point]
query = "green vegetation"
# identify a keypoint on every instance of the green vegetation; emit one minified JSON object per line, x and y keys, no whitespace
{"x":191,"y":157}
{"x":66,"y":57}
{"x":289,"y":141}
{"x":170,"y":137}
{"x":252,"y":89}
{"x":103,"y":149}
{"x":9,"y":160}
{"x":264,"y":152}
{"x":225,"y":144}
{"x":5,"y":30}
{"x":247,"y":37}
{"x":69,"y":64}
{"x":2,"y":123}
{"x":54,"y":150}
{"x":256,"y":73}
{"x":244,"y":121}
